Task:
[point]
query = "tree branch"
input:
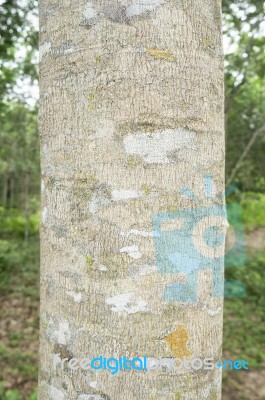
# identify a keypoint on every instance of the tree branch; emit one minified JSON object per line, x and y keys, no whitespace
{"x":245,"y":152}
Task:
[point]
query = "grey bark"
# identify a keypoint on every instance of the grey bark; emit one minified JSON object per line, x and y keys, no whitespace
{"x":131,"y":111}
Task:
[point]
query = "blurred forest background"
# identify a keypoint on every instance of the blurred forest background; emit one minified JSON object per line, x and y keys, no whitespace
{"x":244,"y":317}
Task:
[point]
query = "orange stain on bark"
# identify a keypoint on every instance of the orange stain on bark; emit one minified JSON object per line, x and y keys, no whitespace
{"x":177,"y":342}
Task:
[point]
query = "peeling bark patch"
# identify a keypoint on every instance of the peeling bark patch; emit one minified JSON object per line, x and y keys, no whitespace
{"x":44,"y":49}
{"x":90,"y":397}
{"x":54,"y":393}
{"x":66,"y":48}
{"x":121,"y":194}
{"x":167,"y":55}
{"x":142,"y":270}
{"x":89,"y":12}
{"x":102,"y":268}
{"x":136,"y":232}
{"x":130,"y":303}
{"x":132,"y":251}
{"x":76,"y":296}
{"x":177,"y":342}
{"x":154,"y":147}
{"x":212,"y":313}
{"x":139,"y":7}
{"x":59,"y":332}
{"x":100,"y":199}
{"x":51,"y":284}
{"x":121,"y":12}
{"x":44,"y":215}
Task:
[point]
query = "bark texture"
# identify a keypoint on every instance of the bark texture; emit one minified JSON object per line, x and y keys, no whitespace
{"x":131,"y":112}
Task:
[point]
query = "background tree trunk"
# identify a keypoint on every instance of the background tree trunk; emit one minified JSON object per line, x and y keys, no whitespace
{"x":131,"y":112}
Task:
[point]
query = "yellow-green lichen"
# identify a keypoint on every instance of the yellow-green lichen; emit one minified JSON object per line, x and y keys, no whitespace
{"x":170,"y":202}
{"x":89,"y":260}
{"x":177,"y":396}
{"x":164,"y":54}
{"x":107,"y":192}
{"x":45,"y":324}
{"x":98,"y":59}
{"x":132,"y":162}
{"x":83,"y":186}
{"x":206,"y":42}
{"x":91,"y":98}
{"x":146,"y":189}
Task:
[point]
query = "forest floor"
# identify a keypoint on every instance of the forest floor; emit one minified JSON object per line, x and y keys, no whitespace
{"x":243,"y":336}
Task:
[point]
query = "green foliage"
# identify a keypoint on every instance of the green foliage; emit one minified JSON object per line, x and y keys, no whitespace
{"x":19,"y":161}
{"x":253,"y":210}
{"x":13,"y":223}
{"x":19,"y":283}
{"x":245,"y":90}
{"x":34,"y":395}
{"x":16,"y":31}
{"x":14,"y":394}
{"x":9,"y":394}
{"x":8,"y":257}
{"x":240,"y":12}
{"x":246,"y":113}
{"x":244,"y":319}
{"x":19,"y":259}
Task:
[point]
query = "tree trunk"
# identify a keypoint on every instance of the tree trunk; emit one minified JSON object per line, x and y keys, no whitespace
{"x":131,"y":112}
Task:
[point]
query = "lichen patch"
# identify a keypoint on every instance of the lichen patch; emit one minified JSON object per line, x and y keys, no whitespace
{"x":166,"y":55}
{"x":155,"y":147}
{"x":130,"y":303}
{"x":177,"y":342}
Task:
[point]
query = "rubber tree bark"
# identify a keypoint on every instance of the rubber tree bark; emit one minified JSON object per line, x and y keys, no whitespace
{"x":131,"y":112}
